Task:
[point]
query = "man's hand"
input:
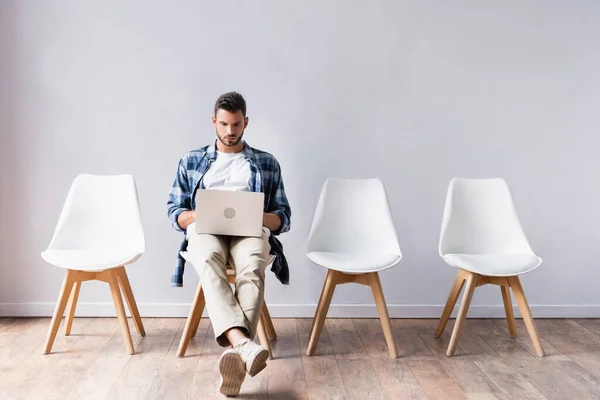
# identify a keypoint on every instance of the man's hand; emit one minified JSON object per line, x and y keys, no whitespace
{"x":186,"y":218}
{"x":271,"y":221}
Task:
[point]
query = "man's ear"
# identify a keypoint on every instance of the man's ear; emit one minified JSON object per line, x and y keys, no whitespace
{"x":245,"y":122}
{"x":214,"y":121}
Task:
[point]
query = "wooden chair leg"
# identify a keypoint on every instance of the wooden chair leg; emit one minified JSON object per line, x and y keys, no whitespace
{"x":462,"y":312}
{"x":508,"y":309}
{"x":451,"y":302}
{"x":59,"y":310}
{"x":264,"y":338}
{"x":321,"y":313}
{"x":128,"y":294}
{"x":71,"y":307}
{"x":113,"y":282}
{"x":192,"y":321}
{"x":321,"y":297}
{"x":198,"y":315}
{"x":383,"y":313}
{"x":515,"y":284}
{"x":269,"y":322}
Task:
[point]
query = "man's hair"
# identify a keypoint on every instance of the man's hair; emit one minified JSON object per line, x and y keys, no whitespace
{"x":232,"y":102}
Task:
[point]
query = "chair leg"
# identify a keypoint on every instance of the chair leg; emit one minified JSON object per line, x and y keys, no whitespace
{"x":269,"y":322}
{"x":193,"y":320}
{"x":264,"y":338}
{"x":113,"y":282}
{"x":199,"y":309}
{"x":59,"y":310}
{"x":462,"y":312}
{"x":515,"y":284}
{"x":71,"y":307}
{"x":508,"y":309}
{"x":321,"y":313}
{"x":198,"y":315}
{"x":128,"y":294}
{"x":383,"y":313}
{"x":321,"y":297}
{"x":451,"y":302}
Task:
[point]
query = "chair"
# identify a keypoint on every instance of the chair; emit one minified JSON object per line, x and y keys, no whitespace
{"x":266,"y":330}
{"x":481,"y":236}
{"x":99,"y":232}
{"x":353,"y":236}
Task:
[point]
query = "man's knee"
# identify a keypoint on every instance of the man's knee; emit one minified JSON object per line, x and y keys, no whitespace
{"x":206,"y":251}
{"x":252,"y":269}
{"x":210,"y":265}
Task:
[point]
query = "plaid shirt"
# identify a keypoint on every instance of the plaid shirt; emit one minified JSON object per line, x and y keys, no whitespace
{"x":265,"y":176}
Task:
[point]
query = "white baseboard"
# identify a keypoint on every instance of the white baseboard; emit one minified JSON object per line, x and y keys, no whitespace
{"x":179,"y":310}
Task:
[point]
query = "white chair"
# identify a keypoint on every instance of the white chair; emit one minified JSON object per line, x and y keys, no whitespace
{"x":99,"y":232}
{"x":481,"y":236}
{"x":353,"y":236}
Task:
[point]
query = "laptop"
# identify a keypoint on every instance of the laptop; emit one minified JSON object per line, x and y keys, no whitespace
{"x":231,"y":213}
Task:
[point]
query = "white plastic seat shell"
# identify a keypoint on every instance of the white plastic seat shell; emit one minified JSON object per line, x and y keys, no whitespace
{"x":353,"y":229}
{"x":481,"y":231}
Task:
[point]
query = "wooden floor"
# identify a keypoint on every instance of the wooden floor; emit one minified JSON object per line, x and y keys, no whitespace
{"x":351,"y":362}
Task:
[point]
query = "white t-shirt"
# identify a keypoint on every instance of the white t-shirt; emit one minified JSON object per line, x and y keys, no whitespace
{"x":230,"y":171}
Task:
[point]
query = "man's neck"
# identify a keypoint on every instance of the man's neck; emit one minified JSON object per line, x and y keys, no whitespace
{"x":238,"y":148}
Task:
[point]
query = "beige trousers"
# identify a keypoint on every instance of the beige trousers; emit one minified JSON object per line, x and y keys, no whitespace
{"x":210,"y":255}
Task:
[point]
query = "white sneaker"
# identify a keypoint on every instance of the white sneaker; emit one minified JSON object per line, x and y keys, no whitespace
{"x":254,"y":355}
{"x":233,"y":372}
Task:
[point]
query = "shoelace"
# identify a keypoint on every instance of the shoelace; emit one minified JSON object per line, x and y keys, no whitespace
{"x":243,"y":349}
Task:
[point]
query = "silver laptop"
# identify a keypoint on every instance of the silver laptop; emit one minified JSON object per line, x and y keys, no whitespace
{"x":232,"y":213}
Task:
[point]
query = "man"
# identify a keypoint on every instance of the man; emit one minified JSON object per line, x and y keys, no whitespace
{"x":231,"y":164}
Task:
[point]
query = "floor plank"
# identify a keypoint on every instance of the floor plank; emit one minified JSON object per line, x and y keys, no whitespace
{"x":28,"y":373}
{"x":360,"y":380}
{"x":352,"y":361}
{"x":434,"y":381}
{"x":22,"y":345}
{"x":303,"y":326}
{"x":397,"y":381}
{"x":141,"y":370}
{"x":206,"y":377}
{"x":471,"y":379}
{"x":532,"y":368}
{"x":97,"y":381}
{"x":592,"y":325}
{"x":584,"y":354}
{"x":176,"y":374}
{"x":395,"y":378}
{"x":372,"y":338}
{"x":322,"y":375}
{"x":4,"y":323}
{"x":344,"y":340}
{"x":409,"y":343}
{"x":74,"y":360}
{"x":285,"y":372}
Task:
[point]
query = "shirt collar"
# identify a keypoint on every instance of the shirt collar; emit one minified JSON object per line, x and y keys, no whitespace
{"x":211,"y":152}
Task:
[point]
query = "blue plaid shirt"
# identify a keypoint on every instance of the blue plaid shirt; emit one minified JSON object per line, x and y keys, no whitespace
{"x":265,"y":176}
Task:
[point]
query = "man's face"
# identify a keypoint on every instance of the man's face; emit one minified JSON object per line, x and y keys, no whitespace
{"x":230,"y":127}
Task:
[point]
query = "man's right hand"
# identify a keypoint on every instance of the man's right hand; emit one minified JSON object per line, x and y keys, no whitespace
{"x":186,"y":218}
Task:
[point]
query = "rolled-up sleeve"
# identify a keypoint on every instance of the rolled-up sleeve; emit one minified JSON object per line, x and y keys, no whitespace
{"x":179,"y":196}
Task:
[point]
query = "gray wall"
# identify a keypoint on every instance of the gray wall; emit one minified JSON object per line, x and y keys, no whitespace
{"x":412,"y":92}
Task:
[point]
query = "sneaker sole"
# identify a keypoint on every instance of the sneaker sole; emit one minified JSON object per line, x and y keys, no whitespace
{"x":259,"y":363}
{"x":233,"y":373}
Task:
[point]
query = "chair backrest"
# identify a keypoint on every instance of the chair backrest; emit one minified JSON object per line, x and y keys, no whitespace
{"x":480,"y":218}
{"x":353,"y":216}
{"x":101,"y":211}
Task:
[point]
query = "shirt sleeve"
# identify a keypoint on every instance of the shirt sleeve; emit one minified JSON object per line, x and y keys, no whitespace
{"x":179,"y":196}
{"x":278,"y":203}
